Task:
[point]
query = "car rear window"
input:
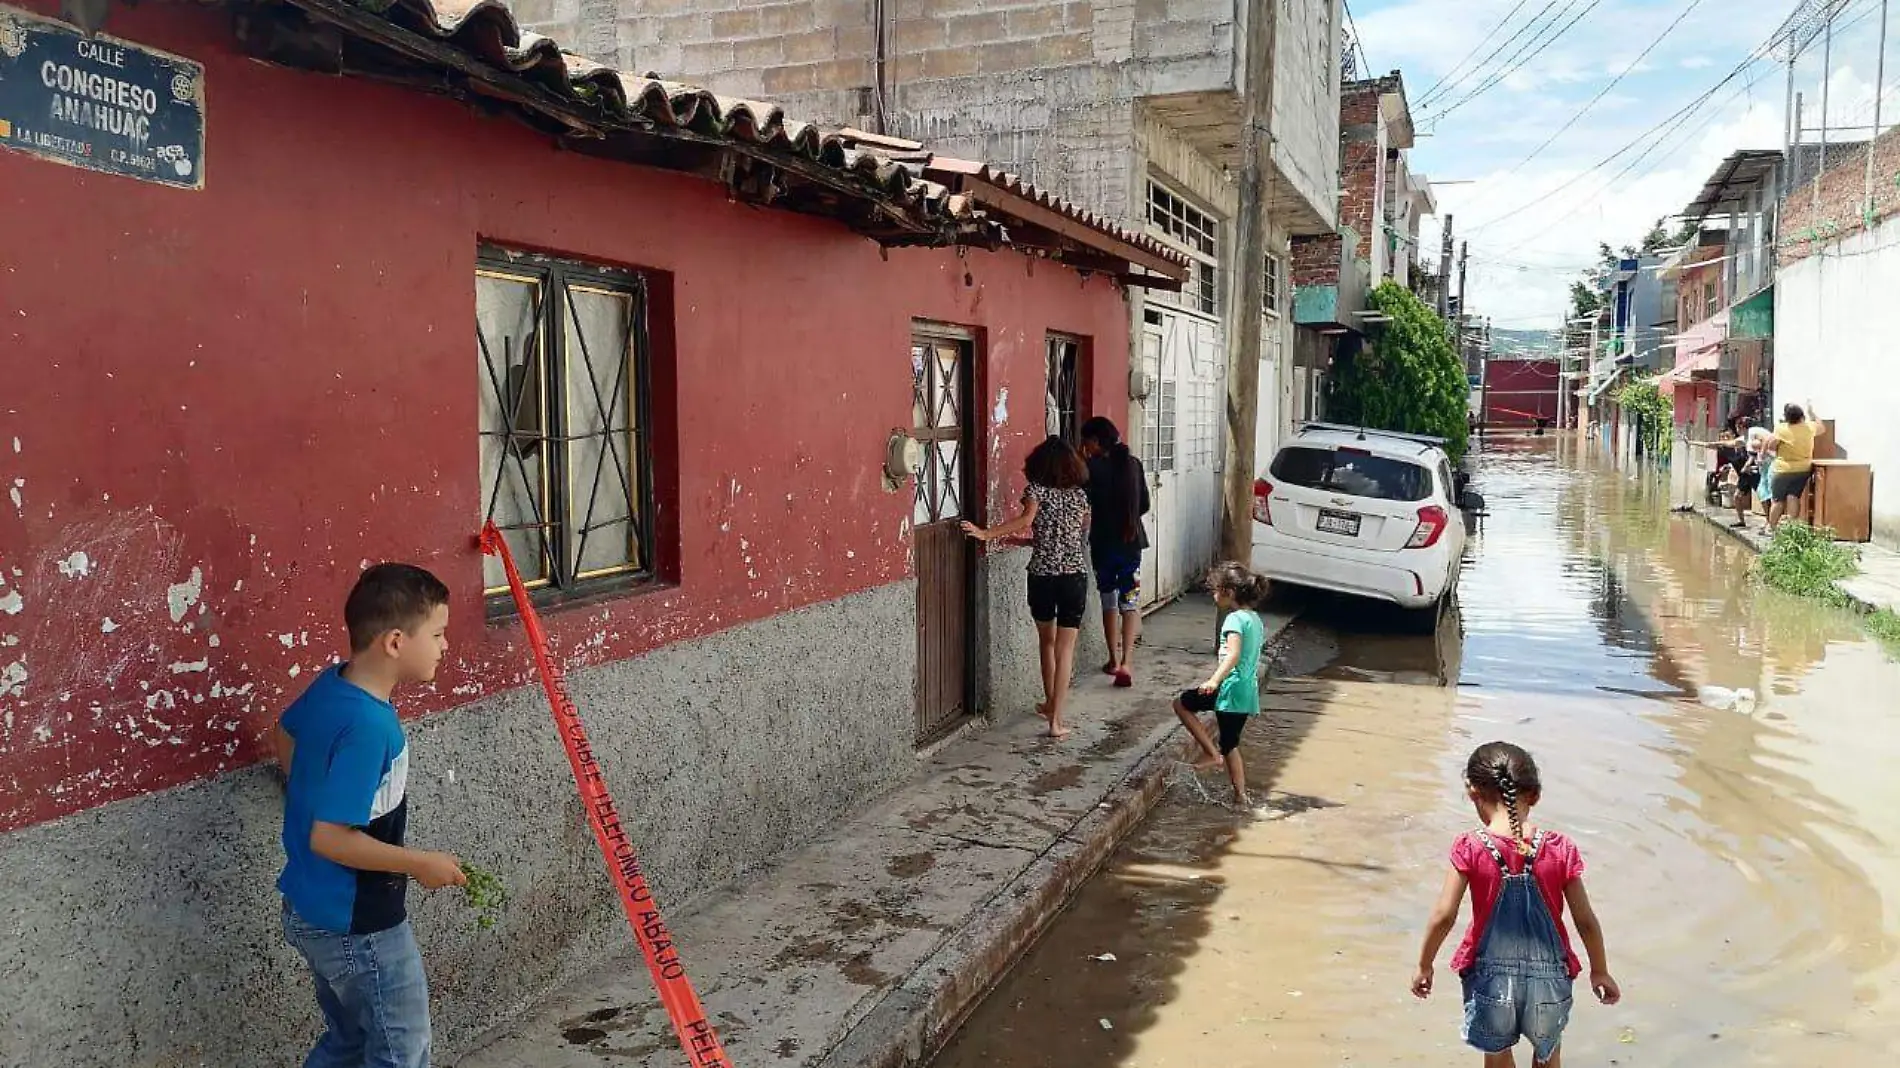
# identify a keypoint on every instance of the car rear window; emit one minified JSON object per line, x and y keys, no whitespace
{"x":1358,"y":474}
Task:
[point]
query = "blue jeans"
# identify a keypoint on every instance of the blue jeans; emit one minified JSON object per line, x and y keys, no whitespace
{"x":374,"y":996}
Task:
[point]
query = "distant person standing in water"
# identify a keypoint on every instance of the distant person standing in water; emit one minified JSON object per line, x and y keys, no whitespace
{"x":1056,"y":512}
{"x":1118,"y":498}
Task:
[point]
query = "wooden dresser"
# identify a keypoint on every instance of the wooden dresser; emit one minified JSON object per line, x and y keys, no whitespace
{"x":1841,"y":496}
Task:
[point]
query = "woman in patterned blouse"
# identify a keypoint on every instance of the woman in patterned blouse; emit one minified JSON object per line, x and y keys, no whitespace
{"x":1056,"y":512}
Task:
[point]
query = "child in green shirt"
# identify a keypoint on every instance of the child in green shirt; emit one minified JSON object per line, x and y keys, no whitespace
{"x":1232,"y":692}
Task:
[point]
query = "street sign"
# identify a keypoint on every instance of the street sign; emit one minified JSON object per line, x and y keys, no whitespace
{"x":100,"y":103}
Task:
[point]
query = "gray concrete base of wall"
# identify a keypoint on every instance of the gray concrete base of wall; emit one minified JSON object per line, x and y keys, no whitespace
{"x":145,"y":933}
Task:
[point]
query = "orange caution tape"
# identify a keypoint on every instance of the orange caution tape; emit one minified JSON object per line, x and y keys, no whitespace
{"x":696,"y":1035}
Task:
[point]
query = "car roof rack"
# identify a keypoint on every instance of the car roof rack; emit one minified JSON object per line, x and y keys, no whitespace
{"x":1362,"y":432}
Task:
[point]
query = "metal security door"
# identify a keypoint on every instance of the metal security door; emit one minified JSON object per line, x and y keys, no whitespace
{"x":1156,"y":408}
{"x":940,"y":387}
{"x":1182,"y":449}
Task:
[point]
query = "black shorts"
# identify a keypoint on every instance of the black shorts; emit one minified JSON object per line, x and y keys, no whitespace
{"x":1230,"y":723}
{"x":1747,"y":481}
{"x":1789,"y":485}
{"x":1059,"y":599}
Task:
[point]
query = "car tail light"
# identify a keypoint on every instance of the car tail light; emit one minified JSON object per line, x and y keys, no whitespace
{"x":1262,"y":489}
{"x":1431,"y":525}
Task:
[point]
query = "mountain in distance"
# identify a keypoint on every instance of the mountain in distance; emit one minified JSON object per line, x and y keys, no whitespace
{"x":1506,"y":344}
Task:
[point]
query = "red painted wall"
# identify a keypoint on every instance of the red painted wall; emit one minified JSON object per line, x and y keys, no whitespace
{"x":228,"y":400}
{"x":1519,"y":392}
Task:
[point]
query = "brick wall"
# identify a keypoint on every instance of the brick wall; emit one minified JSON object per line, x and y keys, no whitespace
{"x":1362,"y":183}
{"x":1315,"y":260}
{"x":1359,"y":104}
{"x":1808,"y":227}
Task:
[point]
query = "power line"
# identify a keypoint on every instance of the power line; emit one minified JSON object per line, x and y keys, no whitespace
{"x":1693,"y":4}
{"x":1640,"y":138}
{"x":1495,"y":52}
{"x":1521,"y":63}
{"x":1432,"y":89}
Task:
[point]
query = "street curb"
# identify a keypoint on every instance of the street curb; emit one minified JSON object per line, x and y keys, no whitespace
{"x":1858,"y":603}
{"x":913,"y":1021}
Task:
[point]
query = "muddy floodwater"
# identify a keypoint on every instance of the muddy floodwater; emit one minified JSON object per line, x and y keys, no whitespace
{"x":1744,"y":856}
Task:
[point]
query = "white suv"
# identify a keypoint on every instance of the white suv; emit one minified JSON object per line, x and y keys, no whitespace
{"x":1371,"y":513}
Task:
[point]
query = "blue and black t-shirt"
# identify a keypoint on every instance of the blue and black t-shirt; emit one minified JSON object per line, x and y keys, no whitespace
{"x":351,"y":767}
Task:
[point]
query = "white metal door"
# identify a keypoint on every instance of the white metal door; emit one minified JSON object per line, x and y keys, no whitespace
{"x":1183,"y":446}
{"x":1153,"y":408}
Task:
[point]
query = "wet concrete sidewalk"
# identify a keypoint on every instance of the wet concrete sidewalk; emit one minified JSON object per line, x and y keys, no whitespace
{"x":1876,"y":586}
{"x":865,"y":947}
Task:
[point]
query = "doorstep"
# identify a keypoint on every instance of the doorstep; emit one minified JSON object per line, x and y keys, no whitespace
{"x":867,"y":947}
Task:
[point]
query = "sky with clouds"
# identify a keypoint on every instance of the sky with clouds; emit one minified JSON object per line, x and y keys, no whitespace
{"x":1486,"y":123}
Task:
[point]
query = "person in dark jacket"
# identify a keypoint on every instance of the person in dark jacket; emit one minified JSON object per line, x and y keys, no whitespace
{"x":1118,"y":498}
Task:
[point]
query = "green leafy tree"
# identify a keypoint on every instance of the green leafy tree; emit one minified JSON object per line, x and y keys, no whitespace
{"x":1409,"y":378}
{"x":1655,"y":413}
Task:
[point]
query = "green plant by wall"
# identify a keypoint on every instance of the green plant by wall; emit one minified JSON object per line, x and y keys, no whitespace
{"x":1806,"y":562}
{"x":1654,"y":413}
{"x":1408,"y":378}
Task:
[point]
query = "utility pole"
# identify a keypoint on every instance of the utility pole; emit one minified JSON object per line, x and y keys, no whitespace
{"x":1243,"y":347}
{"x":1444,"y":272}
{"x":1880,"y":76}
{"x":1464,"y":310}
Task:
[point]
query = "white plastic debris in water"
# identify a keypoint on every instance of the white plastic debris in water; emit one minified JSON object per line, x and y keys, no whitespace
{"x":1105,"y":957}
{"x":1722,"y":699}
{"x":1106,"y":1026}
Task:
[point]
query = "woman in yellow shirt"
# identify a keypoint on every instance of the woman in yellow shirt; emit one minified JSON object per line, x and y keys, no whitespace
{"x":1793,"y":446}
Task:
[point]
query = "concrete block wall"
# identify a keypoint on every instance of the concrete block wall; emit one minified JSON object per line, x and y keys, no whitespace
{"x":1808,"y":227}
{"x":1306,"y":103}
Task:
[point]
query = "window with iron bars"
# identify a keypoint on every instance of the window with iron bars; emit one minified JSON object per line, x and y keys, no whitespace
{"x":1157,"y":443}
{"x":1059,"y":392}
{"x":565,"y":459}
{"x":1196,"y":233}
{"x":1270,"y":293}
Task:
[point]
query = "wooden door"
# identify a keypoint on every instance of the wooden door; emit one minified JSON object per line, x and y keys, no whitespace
{"x":940,"y":389}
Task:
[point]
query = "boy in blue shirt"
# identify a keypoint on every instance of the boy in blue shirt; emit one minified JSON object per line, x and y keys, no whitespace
{"x":346,"y":762}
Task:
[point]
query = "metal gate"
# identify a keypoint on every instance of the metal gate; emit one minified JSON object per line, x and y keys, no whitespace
{"x":1182,"y":449}
{"x":945,"y":559}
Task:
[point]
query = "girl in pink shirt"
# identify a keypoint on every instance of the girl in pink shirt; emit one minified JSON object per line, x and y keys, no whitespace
{"x":1515,"y":961}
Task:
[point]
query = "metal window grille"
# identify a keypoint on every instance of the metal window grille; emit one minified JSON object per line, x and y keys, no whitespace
{"x":566,"y":467}
{"x":1201,"y":426}
{"x":936,"y":367}
{"x":1059,"y":392}
{"x":1158,"y":443}
{"x":1270,"y":297}
{"x":1196,"y":233}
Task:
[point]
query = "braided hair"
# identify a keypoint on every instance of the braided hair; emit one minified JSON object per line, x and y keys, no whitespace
{"x":1506,"y":774}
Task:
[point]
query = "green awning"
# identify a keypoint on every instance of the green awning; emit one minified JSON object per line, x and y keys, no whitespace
{"x":1753,"y":318}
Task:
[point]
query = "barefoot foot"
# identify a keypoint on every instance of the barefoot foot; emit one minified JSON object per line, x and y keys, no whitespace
{"x":1060,"y":732}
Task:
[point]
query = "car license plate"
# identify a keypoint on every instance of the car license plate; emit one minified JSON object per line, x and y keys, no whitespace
{"x":1338,"y":523}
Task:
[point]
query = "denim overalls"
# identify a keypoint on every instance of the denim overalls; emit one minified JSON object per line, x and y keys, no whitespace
{"x":1519,"y":985}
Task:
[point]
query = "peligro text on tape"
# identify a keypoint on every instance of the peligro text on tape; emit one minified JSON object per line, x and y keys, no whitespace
{"x":696,"y":1035}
